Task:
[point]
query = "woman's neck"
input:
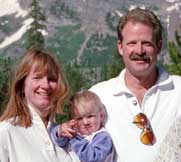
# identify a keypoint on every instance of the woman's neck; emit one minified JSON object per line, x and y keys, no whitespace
{"x":44,"y":117}
{"x":45,"y":120}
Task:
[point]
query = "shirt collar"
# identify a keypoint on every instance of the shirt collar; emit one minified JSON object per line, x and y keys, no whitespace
{"x":164,"y":79}
{"x":120,"y":85}
{"x":36,"y":119}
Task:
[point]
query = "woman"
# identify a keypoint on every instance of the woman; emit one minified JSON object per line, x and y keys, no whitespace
{"x":37,"y":94}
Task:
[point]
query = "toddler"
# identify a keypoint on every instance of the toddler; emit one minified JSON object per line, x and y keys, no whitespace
{"x":84,"y":136}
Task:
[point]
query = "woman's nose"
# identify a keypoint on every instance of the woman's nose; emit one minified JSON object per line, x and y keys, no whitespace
{"x":45,"y":83}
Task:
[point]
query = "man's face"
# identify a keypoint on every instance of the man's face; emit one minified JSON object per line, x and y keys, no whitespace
{"x":138,"y":49}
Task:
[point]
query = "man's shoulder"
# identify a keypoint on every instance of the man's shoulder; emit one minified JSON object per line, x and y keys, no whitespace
{"x":104,"y":85}
{"x":176,"y":77}
{"x":176,"y":80}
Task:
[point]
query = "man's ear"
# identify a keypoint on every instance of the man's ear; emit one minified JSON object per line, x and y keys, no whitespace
{"x":119,"y":46}
{"x":159,"y":46}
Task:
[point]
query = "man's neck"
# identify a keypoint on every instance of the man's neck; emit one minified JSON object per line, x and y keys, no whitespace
{"x":138,"y":85}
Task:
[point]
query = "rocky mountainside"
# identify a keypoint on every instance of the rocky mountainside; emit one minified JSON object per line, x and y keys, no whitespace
{"x":78,"y":30}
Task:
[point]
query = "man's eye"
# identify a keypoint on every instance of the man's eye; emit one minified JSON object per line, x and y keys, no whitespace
{"x":131,"y":43}
{"x":147,"y":44}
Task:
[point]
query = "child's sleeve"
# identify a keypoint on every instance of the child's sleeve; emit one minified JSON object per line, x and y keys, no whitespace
{"x":95,"y":151}
{"x":60,"y":141}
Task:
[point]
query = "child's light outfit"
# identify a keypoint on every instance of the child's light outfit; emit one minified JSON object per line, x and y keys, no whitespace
{"x":97,"y":147}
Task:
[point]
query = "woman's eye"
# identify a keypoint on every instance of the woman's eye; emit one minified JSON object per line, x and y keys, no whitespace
{"x":52,"y":79}
{"x":36,"y":77}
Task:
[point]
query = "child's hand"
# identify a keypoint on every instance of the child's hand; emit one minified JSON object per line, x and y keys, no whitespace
{"x":67,"y":129}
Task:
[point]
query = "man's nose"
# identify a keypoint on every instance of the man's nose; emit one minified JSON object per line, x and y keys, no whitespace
{"x":139,"y":49}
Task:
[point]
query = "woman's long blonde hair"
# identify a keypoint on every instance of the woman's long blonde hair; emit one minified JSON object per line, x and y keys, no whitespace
{"x":16,"y":108}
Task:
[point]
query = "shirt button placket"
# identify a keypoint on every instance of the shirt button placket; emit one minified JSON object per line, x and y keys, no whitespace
{"x":134,"y":102}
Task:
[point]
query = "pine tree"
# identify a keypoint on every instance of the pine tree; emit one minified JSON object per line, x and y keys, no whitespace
{"x":112,"y":70}
{"x":34,"y":35}
{"x":76,"y":82}
{"x":5,"y":75}
{"x":174,"y":48}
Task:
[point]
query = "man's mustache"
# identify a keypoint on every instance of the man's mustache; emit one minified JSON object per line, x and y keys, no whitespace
{"x":140,"y":57}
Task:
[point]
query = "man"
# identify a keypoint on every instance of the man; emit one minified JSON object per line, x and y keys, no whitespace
{"x":143,"y":101}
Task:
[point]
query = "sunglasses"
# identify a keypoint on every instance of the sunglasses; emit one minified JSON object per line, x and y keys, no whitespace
{"x":147,"y":136}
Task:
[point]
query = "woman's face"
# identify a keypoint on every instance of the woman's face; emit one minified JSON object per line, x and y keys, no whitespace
{"x":38,"y":89}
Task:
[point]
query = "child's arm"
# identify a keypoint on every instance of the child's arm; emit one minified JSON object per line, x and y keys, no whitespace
{"x":61,"y":134}
{"x":60,"y":141}
{"x":95,"y":151}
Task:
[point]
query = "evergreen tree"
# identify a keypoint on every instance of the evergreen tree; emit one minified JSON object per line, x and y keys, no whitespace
{"x":34,"y":35}
{"x":76,"y":78}
{"x":116,"y":66}
{"x":112,"y":70}
{"x":77,"y":81}
{"x":5,"y":75}
{"x":174,"y":48}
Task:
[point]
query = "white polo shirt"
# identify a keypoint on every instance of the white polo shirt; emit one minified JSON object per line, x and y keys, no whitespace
{"x":32,"y":144}
{"x":161,"y":104}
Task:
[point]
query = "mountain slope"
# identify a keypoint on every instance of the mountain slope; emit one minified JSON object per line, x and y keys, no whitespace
{"x":78,"y":30}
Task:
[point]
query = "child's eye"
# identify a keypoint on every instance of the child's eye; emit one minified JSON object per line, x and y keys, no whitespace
{"x":78,"y":119}
{"x":90,"y":116}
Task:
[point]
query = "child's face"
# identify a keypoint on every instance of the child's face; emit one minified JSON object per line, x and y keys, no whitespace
{"x":87,"y":124}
